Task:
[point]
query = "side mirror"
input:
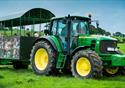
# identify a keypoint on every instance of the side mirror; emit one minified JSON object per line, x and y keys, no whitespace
{"x":46,"y":31}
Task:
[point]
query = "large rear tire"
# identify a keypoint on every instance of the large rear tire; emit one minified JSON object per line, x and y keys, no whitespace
{"x":86,"y":64}
{"x":43,"y":60}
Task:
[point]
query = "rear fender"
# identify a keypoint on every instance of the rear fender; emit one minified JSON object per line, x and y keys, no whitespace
{"x":52,"y":41}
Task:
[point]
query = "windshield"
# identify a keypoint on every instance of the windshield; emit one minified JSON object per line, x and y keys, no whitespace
{"x":79,"y":27}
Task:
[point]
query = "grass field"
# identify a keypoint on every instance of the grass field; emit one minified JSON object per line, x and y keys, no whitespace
{"x":122,"y":47}
{"x":10,"y":78}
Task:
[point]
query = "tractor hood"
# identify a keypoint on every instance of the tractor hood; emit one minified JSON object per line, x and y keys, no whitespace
{"x":86,"y":40}
{"x":97,"y":37}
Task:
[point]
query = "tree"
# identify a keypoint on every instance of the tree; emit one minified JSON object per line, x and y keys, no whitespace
{"x":118,"y":34}
{"x":100,"y":31}
{"x":107,"y":33}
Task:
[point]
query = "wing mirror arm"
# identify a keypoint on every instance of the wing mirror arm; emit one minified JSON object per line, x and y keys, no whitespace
{"x":97,"y":22}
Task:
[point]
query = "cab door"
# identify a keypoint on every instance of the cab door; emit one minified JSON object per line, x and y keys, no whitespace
{"x":59,"y":28}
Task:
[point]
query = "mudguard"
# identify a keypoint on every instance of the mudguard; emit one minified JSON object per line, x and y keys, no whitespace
{"x":79,"y":48}
{"x":52,"y":40}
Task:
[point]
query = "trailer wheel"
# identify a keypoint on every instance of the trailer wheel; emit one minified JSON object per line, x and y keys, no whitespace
{"x":86,"y":64}
{"x":43,"y":58}
{"x":16,"y":66}
{"x":25,"y":66}
{"x":20,"y":65}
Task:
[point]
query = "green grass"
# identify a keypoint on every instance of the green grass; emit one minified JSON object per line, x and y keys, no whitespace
{"x":10,"y":78}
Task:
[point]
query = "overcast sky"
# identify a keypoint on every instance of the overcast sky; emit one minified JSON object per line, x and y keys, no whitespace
{"x":110,"y":13}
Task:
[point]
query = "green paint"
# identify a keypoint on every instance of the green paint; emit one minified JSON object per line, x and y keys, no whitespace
{"x":6,"y":61}
{"x":118,"y":60}
{"x":61,"y":57}
{"x":61,"y":61}
{"x":56,"y":42}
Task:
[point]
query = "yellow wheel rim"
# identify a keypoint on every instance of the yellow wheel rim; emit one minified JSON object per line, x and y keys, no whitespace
{"x":41,"y":59}
{"x":112,"y":70}
{"x":83,"y":66}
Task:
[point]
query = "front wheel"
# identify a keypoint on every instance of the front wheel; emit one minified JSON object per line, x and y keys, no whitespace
{"x":111,"y":71}
{"x":86,"y":64}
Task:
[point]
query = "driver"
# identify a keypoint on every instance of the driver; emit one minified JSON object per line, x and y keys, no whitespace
{"x":78,"y":27}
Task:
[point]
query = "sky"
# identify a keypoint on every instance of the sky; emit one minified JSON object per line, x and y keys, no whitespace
{"x":110,"y":13}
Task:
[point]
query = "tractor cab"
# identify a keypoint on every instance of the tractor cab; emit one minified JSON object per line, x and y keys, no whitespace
{"x":68,"y":29}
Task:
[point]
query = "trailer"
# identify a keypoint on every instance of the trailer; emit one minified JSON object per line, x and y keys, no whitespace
{"x":16,"y":41}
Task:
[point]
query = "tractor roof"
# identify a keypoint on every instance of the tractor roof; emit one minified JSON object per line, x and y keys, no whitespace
{"x":80,"y":17}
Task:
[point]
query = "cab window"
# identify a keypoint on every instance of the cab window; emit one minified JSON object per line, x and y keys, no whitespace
{"x":79,"y":27}
{"x":54,"y":27}
{"x":59,"y":27}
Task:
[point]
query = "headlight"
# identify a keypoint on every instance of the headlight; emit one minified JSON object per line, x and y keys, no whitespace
{"x":111,"y":49}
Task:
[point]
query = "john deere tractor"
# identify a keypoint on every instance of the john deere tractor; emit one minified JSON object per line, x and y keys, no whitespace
{"x":68,"y":46}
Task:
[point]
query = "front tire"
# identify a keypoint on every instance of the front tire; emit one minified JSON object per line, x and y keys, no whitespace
{"x":43,"y":60}
{"x":86,"y":64}
{"x":111,"y":71}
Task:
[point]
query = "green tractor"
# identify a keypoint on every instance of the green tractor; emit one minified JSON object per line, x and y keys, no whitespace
{"x":68,"y":46}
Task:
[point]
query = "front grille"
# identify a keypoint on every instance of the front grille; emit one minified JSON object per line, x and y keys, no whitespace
{"x":104,"y":44}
